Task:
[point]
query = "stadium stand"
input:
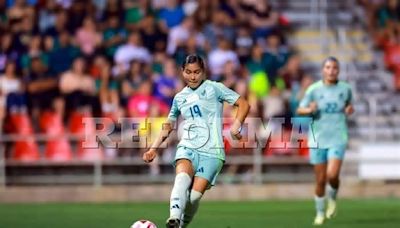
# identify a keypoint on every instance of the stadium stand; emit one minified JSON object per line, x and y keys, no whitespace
{"x":61,"y":61}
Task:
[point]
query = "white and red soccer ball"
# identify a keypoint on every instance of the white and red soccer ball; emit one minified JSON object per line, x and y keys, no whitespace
{"x":143,"y":224}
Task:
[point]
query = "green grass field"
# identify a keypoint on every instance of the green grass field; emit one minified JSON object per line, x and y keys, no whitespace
{"x":352,"y":213}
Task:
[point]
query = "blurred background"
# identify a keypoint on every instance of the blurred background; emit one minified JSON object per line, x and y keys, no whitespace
{"x":65,"y":60}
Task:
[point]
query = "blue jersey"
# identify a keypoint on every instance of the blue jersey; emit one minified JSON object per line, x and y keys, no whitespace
{"x":201,"y":109}
{"x":329,"y":125}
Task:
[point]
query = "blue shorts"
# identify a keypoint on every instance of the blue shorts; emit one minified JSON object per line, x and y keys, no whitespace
{"x":203,"y":166}
{"x":318,"y":155}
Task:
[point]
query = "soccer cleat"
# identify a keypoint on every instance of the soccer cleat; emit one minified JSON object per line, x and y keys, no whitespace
{"x":172,"y":223}
{"x":331,"y":209}
{"x":319,"y":220}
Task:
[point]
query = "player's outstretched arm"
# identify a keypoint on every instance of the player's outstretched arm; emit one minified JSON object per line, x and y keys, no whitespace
{"x":310,"y":109}
{"x":242,"y":111}
{"x":149,"y":155}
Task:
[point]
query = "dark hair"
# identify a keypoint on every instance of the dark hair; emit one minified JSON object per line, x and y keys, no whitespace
{"x":330,"y":59}
{"x":194,"y":59}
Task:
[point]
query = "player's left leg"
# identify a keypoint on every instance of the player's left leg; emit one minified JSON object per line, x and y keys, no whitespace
{"x":205,"y":177}
{"x":200,"y":185}
{"x":333,"y":171}
{"x":335,"y":158}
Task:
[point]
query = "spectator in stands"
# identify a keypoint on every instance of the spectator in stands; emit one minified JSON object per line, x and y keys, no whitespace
{"x":35,"y":50}
{"x":179,"y":35}
{"x":60,"y":25}
{"x":218,"y":57}
{"x":255,"y":63}
{"x":114,"y":8}
{"x":62,"y":56}
{"x":77,"y":13}
{"x":88,"y":38}
{"x":263,"y":19}
{"x":187,"y":48}
{"x":274,"y":104}
{"x":48,"y":45}
{"x":291,"y":73}
{"x":229,"y":76}
{"x":133,"y":80}
{"x":42,"y":90}
{"x":12,"y":90}
{"x":65,"y":4}
{"x":19,"y":10}
{"x":47,"y":15}
{"x":132,"y":50}
{"x":153,"y":37}
{"x":143,"y":102}
{"x":3,"y":16}
{"x":244,"y":43}
{"x":167,"y":84}
{"x":159,"y":57}
{"x":275,"y":56}
{"x":135,"y":12}
{"x":204,"y":12}
{"x":7,"y":51}
{"x":172,"y":15}
{"x":25,"y":32}
{"x":392,"y":53}
{"x":365,"y":13}
{"x":106,"y":86}
{"x":390,"y":11}
{"x":78,"y":87}
{"x":113,"y":35}
{"x":221,"y":26}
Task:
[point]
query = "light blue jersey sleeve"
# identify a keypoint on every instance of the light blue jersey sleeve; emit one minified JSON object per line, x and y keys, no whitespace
{"x":174,"y":112}
{"x":226,"y":94}
{"x":309,"y":95}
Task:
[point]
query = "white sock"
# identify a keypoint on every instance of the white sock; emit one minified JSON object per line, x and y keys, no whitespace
{"x":179,"y":195}
{"x":320,"y":205}
{"x":332,"y":192}
{"x":191,"y":207}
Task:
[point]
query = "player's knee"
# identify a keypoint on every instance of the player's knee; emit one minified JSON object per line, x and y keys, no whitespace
{"x":195,"y":197}
{"x":321,"y":181}
{"x":183,"y":179}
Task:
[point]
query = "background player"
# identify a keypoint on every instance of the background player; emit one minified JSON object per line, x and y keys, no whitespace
{"x":200,"y":153}
{"x":328,"y":101}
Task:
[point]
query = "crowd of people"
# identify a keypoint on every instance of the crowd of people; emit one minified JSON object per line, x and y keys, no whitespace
{"x":383,"y":23}
{"x":116,"y":58}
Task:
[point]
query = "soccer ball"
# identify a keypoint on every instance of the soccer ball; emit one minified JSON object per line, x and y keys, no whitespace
{"x":143,"y":224}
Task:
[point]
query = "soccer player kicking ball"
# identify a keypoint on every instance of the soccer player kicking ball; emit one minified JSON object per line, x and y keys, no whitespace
{"x":200,"y":153}
{"x":329,"y":103}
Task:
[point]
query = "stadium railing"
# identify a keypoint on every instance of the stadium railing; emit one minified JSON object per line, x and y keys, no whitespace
{"x":257,"y":167}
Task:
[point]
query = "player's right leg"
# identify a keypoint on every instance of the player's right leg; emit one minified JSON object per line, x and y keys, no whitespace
{"x":179,"y":194}
{"x":333,"y":171}
{"x":318,"y":158}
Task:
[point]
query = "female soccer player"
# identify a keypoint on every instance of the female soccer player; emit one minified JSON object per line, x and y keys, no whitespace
{"x":329,"y":102}
{"x":200,"y":153}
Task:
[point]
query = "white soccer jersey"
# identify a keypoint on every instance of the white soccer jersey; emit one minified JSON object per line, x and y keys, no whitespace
{"x":201,"y":109}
